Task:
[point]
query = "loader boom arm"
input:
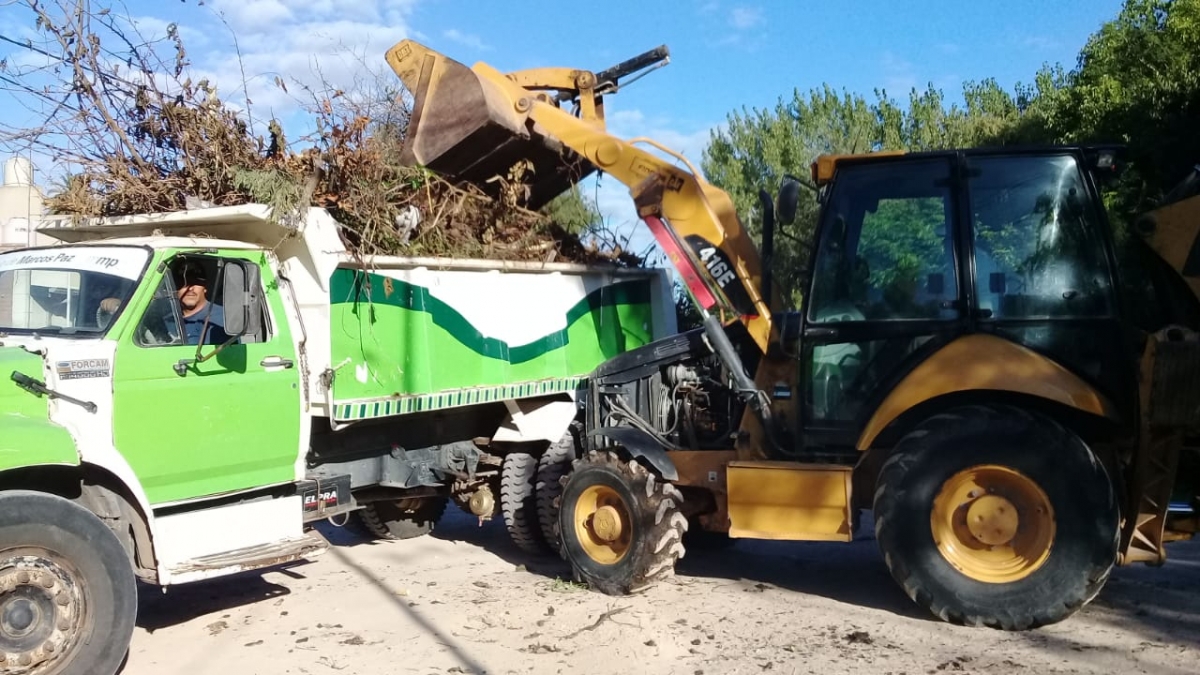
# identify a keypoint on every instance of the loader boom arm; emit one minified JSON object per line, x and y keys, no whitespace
{"x":476,"y":123}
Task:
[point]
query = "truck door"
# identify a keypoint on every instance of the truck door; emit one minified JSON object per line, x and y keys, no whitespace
{"x":226,"y":424}
{"x":885,"y":288}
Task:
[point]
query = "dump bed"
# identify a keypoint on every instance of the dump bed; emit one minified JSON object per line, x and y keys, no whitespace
{"x":394,"y":335}
{"x":410,"y":335}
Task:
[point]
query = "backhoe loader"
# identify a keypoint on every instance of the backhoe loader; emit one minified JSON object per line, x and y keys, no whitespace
{"x":970,"y":364}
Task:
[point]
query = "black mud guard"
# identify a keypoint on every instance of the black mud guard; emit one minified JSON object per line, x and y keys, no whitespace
{"x":641,"y":446}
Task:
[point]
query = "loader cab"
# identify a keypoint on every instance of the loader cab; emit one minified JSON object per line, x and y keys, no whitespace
{"x":914,"y":251}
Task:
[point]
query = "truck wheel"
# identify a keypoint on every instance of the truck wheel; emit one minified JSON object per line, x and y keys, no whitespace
{"x":68,"y":599}
{"x":403,"y":518}
{"x":621,"y":528}
{"x":518,"y":501}
{"x":552,"y":466}
{"x":993,"y":516}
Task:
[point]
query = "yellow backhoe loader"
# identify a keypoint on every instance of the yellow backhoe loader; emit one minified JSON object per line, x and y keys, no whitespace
{"x":970,"y":364}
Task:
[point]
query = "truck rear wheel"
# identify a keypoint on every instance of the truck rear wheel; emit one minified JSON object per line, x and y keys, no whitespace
{"x":993,"y":516}
{"x":68,"y":598}
{"x":620,"y":527}
{"x":552,"y":466}
{"x":403,"y":518}
{"x":518,"y":501}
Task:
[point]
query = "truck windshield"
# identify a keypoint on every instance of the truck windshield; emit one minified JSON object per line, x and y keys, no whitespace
{"x":70,"y":290}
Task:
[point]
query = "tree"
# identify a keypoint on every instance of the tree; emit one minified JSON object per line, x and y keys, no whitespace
{"x":758,"y":147}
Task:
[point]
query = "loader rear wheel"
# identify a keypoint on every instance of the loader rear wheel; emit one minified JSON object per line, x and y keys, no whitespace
{"x":994,"y":516}
{"x":518,"y":502}
{"x":68,"y":598}
{"x":620,"y":527}
{"x":552,"y":466}
{"x":403,"y":518}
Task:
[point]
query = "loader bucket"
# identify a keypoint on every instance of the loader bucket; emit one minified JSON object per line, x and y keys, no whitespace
{"x":467,"y":127}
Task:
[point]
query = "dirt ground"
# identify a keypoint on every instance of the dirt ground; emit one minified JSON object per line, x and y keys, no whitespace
{"x":464,"y":600}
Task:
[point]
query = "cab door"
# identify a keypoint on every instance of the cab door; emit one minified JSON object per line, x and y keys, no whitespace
{"x":226,"y":424}
{"x":886,"y":288}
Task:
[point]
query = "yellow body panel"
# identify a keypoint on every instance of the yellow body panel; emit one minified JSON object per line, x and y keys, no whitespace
{"x":979,"y":363}
{"x":787,"y":500}
{"x":1175,"y":229}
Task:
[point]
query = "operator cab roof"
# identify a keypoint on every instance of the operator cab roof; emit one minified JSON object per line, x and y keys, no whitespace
{"x":1103,"y":155}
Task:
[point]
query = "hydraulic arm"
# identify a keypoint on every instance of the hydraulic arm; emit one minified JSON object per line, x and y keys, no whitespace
{"x":477,"y":124}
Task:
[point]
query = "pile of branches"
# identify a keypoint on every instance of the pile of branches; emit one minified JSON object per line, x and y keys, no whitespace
{"x":140,"y":136}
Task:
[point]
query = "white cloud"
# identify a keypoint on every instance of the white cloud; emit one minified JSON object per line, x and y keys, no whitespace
{"x":302,"y":42}
{"x":1040,"y":42}
{"x":745,"y":18}
{"x":898,"y":75}
{"x":465,"y":39}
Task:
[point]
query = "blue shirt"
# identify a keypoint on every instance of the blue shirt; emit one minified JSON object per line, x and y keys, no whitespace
{"x":192,"y":325}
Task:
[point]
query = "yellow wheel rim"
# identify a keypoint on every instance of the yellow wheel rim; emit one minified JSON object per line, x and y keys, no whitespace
{"x":993,"y":524}
{"x":602,"y":524}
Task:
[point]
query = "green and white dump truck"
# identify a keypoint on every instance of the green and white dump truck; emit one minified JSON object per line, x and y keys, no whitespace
{"x":378,"y":389}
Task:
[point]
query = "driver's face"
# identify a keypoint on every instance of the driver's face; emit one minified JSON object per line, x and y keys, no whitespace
{"x":191,"y":295}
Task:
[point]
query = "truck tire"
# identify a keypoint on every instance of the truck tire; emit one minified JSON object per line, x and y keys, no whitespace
{"x":994,"y":516}
{"x":620,"y":528}
{"x":69,"y":586}
{"x":518,"y":502}
{"x":403,"y":518}
{"x":552,"y":466}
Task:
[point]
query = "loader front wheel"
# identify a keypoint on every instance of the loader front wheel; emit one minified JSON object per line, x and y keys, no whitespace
{"x":403,"y":518}
{"x":619,"y":526}
{"x":994,"y":516}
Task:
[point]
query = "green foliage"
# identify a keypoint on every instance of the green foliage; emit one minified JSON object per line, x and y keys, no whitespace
{"x":1137,"y":82}
{"x":573,"y":213}
{"x":758,"y":147}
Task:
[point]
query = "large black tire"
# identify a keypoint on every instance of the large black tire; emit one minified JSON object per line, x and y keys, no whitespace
{"x":59,"y":558}
{"x":402,"y":519}
{"x":552,"y":466}
{"x":1085,"y":534}
{"x":652,"y":524}
{"x":518,"y":502}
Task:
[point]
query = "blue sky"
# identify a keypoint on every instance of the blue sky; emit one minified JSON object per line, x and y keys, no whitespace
{"x":724,"y":54}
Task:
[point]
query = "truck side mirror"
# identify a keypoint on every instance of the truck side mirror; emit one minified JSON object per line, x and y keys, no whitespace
{"x":239,"y":288}
{"x":788,"y":201}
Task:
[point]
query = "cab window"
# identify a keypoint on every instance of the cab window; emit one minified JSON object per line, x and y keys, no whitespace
{"x":886,"y":248}
{"x":1038,"y":251}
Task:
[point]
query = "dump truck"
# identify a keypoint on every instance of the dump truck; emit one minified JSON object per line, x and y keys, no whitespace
{"x":970,"y":363}
{"x":186,"y":394}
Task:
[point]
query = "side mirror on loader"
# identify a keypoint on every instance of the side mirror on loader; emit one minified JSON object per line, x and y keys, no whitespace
{"x":788,"y":200}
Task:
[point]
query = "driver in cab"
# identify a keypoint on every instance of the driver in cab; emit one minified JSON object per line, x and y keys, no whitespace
{"x":191,"y":288}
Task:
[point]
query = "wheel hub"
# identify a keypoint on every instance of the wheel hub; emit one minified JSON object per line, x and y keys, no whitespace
{"x":993,"y":523}
{"x":602,"y":524}
{"x":993,"y":520}
{"x":41,"y":611}
{"x":19,"y":615}
{"x":607,"y":523}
